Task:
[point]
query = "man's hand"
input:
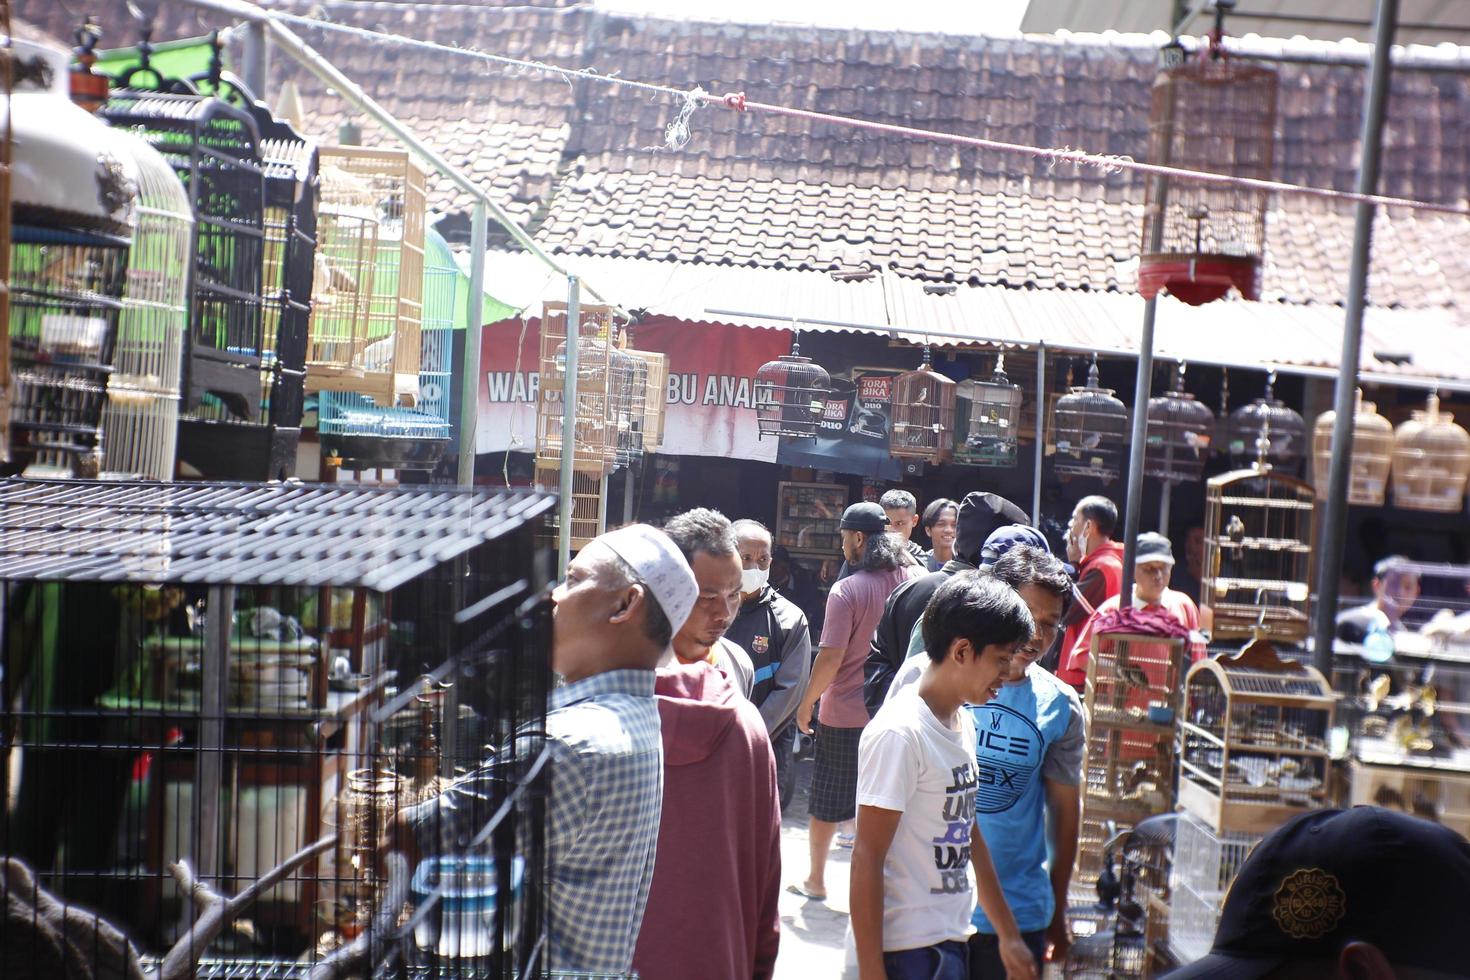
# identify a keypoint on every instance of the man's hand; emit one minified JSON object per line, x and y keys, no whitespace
{"x":804,"y":719}
{"x":1058,"y":937}
{"x":1017,"y":958}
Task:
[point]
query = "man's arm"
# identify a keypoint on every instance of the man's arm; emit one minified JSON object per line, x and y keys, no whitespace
{"x":1065,"y":803}
{"x":1017,"y":958}
{"x":824,"y":672}
{"x":790,"y":681}
{"x":875,"y":829}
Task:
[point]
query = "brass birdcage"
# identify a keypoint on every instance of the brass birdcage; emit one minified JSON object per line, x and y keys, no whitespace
{"x":923,"y":414}
{"x":1216,"y":115}
{"x":1431,"y":461}
{"x":1268,"y":415}
{"x":1091,"y":431}
{"x":992,"y":419}
{"x":789,"y":394}
{"x":1372,"y":453}
{"x":1180,"y":430}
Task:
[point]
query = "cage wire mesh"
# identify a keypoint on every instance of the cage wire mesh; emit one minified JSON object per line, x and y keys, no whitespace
{"x":255,"y":678}
{"x":140,"y":420}
{"x":1431,"y":461}
{"x":1271,"y":420}
{"x":1205,"y":863}
{"x":989,"y":419}
{"x":923,"y":414}
{"x":1091,"y":427}
{"x":1372,"y":453}
{"x":790,"y":395}
{"x":1177,"y":440}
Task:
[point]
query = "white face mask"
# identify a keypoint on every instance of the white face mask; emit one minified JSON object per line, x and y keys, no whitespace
{"x":754,"y":579}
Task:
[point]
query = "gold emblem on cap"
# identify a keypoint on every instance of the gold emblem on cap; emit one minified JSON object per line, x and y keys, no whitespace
{"x":1309,"y":904}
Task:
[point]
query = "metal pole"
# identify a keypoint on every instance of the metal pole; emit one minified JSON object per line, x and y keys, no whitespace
{"x":1040,"y":434}
{"x":630,"y":488}
{"x":256,"y":68}
{"x":1334,"y":510}
{"x":1143,"y":387}
{"x":568,"y":424}
{"x":469,"y":404}
{"x":1166,"y":498}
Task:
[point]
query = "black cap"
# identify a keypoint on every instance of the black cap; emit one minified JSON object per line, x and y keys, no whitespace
{"x":1003,"y":539}
{"x":1331,"y":877}
{"x":864,"y":517}
{"x":980,"y":514}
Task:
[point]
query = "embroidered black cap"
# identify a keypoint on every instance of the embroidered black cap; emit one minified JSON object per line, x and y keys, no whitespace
{"x":1332,"y":877}
{"x":864,"y":516}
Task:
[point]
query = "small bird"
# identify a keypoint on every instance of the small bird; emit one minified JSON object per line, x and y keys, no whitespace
{"x":1378,"y":689}
{"x":1235,"y":529}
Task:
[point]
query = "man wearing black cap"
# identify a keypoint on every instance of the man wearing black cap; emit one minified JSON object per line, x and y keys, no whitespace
{"x":1366,"y":894}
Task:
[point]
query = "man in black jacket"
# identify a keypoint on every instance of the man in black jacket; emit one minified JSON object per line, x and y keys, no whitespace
{"x":980,"y":514}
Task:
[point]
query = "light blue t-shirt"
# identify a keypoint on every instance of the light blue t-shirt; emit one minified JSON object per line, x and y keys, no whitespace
{"x":1029,"y":733}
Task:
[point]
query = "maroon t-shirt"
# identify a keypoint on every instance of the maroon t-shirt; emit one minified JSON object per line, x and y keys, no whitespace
{"x":854,"y":607}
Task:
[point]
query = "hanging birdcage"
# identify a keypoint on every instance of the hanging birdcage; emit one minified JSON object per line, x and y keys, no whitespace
{"x":72,"y":211}
{"x":923,"y":414}
{"x":1283,"y":428}
{"x":140,"y":422}
{"x":655,"y":398}
{"x":1180,"y":430}
{"x":372,"y":204}
{"x":790,"y":394}
{"x":1372,"y":453}
{"x":1431,"y":461}
{"x":990,"y":429}
{"x":594,"y":436}
{"x":1091,"y":431}
{"x":630,"y":382}
{"x":1216,"y":115}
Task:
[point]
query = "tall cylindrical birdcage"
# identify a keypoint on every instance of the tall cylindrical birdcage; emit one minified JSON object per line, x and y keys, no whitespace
{"x":1213,"y":114}
{"x":1431,"y":461}
{"x":1372,"y":453}
{"x":992,"y":428}
{"x":1268,"y":417}
{"x":789,"y":395}
{"x":600,"y":387}
{"x":630,"y":380}
{"x":72,"y":210}
{"x":140,"y":423}
{"x":1091,"y":431}
{"x":923,"y":414}
{"x":1180,"y":430}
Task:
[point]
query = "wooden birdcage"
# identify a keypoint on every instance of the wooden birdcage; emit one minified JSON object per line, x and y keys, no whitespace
{"x":140,"y":422}
{"x":1260,"y":534}
{"x":368,"y":340}
{"x":1216,"y":115}
{"x":1253,"y":740}
{"x":1372,"y":456}
{"x":990,"y":426}
{"x":923,"y":414}
{"x":589,"y":496}
{"x":1431,"y":461}
{"x":1091,"y":431}
{"x":789,"y":395}
{"x":600,"y":388}
{"x":655,"y":397}
{"x":1268,"y":417}
{"x":1180,"y":430}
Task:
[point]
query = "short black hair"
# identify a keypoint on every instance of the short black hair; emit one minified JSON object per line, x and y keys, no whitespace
{"x":656,"y":624}
{"x":702,"y":530}
{"x":898,"y":500}
{"x":936,"y":510}
{"x":977,"y":607}
{"x":1025,"y":565}
{"x":1100,"y":511}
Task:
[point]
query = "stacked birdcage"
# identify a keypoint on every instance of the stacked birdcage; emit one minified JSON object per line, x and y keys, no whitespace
{"x":1091,"y":431}
{"x":1267,"y":418}
{"x":372,"y":215}
{"x":1179,"y":433}
{"x":1205,"y":864}
{"x":990,"y":426}
{"x":790,"y":394}
{"x":1431,"y":461}
{"x":922,"y":414}
{"x":72,"y":211}
{"x":1260,"y":533}
{"x":1372,"y":453}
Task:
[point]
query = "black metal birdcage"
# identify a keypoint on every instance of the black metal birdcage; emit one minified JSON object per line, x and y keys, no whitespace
{"x":234,"y":677}
{"x":1180,"y":430}
{"x":1267,"y":424}
{"x":790,"y":395}
{"x":1091,"y":431}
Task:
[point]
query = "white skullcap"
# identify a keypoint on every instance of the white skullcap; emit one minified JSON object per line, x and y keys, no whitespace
{"x":656,"y":560}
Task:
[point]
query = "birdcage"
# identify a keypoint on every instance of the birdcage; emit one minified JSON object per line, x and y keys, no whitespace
{"x":1148,"y":853}
{"x":1139,"y":863}
{"x":990,"y":419}
{"x":630,"y":379}
{"x":184,"y":687}
{"x":1260,"y":534}
{"x":655,"y":398}
{"x":923,"y":414}
{"x":72,"y":211}
{"x":1253,"y":740}
{"x":1180,"y":430}
{"x":358,"y":434}
{"x":1372,"y":455}
{"x":1205,"y":863}
{"x":1268,"y":418}
{"x":589,"y":495}
{"x":790,"y":394}
{"x":1216,"y":115}
{"x":601,"y":387}
{"x":1431,"y":461}
{"x":1425,"y":787}
{"x":1091,"y":431}
{"x":369,"y":343}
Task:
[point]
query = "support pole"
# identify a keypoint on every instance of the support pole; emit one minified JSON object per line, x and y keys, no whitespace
{"x":1166,"y":498}
{"x":1142,"y":389}
{"x":1335,"y":506}
{"x":469,"y":404}
{"x":256,"y":68}
{"x":1040,"y":434}
{"x":568,"y":425}
{"x":630,"y":488}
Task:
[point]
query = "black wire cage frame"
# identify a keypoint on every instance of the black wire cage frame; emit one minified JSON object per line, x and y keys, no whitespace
{"x":222,"y":676}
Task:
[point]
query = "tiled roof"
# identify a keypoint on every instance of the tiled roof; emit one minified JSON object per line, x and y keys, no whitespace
{"x":578,"y":162}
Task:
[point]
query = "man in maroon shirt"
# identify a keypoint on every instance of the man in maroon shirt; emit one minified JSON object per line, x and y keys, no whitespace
{"x":1099,"y":561}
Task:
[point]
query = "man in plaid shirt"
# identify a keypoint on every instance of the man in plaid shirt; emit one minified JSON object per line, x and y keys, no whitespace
{"x":625,"y":595}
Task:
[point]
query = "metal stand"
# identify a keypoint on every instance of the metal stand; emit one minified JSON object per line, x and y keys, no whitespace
{"x":569,"y":427}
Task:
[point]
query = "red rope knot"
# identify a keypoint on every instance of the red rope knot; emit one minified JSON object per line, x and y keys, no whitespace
{"x":735,"y":100}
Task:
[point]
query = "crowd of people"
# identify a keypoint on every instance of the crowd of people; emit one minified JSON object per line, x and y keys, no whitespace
{"x":941,"y":687}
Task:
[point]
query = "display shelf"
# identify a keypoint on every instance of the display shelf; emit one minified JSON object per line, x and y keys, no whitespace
{"x":807,"y":518}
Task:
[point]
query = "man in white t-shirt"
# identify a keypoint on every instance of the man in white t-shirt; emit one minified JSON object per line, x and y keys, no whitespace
{"x":916,"y":833}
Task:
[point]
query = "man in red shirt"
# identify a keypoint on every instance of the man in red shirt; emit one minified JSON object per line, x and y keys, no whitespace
{"x":1099,"y":561}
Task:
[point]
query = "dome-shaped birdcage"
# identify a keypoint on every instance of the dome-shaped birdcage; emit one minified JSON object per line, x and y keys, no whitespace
{"x":790,"y":394}
{"x":1092,"y":426}
{"x":1371,"y":459}
{"x":1180,"y":430}
{"x":1216,"y":115}
{"x":1283,"y":428}
{"x":923,"y":414}
{"x":1431,"y":461}
{"x":991,"y":427}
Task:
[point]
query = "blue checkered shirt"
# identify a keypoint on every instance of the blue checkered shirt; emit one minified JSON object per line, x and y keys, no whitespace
{"x":606,"y":775}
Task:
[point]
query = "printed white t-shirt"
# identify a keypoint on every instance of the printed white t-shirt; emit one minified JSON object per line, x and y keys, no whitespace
{"x":910,"y":761}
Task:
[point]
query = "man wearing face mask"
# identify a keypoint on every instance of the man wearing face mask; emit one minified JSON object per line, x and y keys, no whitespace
{"x":774,"y":632}
{"x":1099,"y":562}
{"x":704,"y":537}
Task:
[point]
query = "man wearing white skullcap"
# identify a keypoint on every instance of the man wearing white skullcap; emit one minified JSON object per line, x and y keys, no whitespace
{"x":625,"y":595}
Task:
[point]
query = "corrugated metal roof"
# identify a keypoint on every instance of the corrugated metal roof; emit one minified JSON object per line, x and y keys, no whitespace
{"x":1232,"y":332}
